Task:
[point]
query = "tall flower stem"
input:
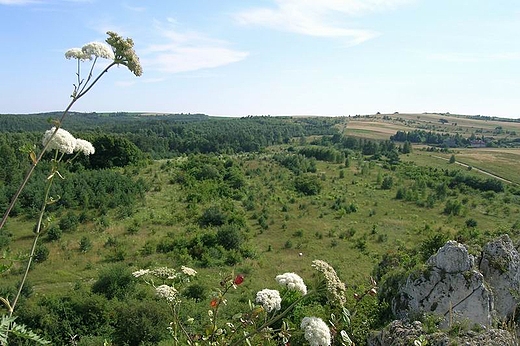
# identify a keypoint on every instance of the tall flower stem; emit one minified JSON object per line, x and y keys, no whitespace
{"x":36,"y":237}
{"x":36,"y":160}
{"x":274,"y":319}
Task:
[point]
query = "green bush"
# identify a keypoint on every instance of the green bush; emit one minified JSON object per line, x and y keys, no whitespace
{"x":114,"y":282}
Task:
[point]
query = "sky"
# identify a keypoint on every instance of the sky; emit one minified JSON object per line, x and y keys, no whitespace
{"x":268,"y":57}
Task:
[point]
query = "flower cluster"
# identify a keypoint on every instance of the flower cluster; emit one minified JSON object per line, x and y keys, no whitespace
{"x":316,"y":331}
{"x":335,"y":287}
{"x":167,"y":292}
{"x":188,"y":271}
{"x":141,"y":272}
{"x":98,"y":50}
{"x":66,"y":143}
{"x":269,"y":299}
{"x":89,"y":51}
{"x":292,"y":281}
{"x":124,"y":52}
{"x":84,"y":146}
{"x":164,"y":273}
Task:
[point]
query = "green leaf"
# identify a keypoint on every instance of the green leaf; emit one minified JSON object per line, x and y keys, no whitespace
{"x":9,"y":326}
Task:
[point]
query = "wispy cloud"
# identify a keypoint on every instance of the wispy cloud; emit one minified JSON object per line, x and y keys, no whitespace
{"x":134,"y":8}
{"x":17,"y":2}
{"x":188,"y":51}
{"x":474,"y":57}
{"x":324,"y":18}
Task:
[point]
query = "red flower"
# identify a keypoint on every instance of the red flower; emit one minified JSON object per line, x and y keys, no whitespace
{"x":214,"y":302}
{"x":239,"y":279}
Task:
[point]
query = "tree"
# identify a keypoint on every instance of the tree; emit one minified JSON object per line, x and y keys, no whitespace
{"x":407,"y":147}
{"x":114,"y":151}
{"x":452,"y":159}
{"x":307,"y":184}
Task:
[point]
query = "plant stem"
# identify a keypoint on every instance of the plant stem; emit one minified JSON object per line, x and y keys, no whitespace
{"x":35,"y":242}
{"x":38,"y":159}
{"x":272,"y":320}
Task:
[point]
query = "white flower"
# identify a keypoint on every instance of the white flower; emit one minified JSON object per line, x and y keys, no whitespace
{"x":188,"y":271}
{"x":292,"y":281}
{"x":62,"y":141}
{"x":99,"y":50}
{"x":167,"y":292}
{"x":270,"y":299}
{"x":84,"y":146}
{"x":335,"y":287}
{"x":316,"y":331}
{"x":164,"y":273}
{"x":140,"y":272}
{"x":77,"y":53}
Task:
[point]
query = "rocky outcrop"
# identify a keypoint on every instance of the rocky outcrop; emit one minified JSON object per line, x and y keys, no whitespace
{"x":399,"y":333}
{"x":500,"y":264}
{"x":459,"y":288}
{"x":450,"y":287}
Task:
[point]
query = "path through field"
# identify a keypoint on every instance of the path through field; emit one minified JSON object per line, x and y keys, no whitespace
{"x":478,"y":170}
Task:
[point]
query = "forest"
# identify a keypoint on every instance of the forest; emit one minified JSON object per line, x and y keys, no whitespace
{"x":239,"y":201}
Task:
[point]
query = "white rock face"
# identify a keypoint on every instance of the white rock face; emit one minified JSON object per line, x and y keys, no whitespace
{"x":450,"y":288}
{"x":500,"y":265}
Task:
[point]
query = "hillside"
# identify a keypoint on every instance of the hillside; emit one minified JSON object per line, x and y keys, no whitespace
{"x":267,"y":196}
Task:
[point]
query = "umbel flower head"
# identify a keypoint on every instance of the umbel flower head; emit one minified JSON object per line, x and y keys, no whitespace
{"x":292,"y":281}
{"x":336,"y":289}
{"x":269,"y":299}
{"x":167,"y":292}
{"x":84,"y":146}
{"x":77,"y":53}
{"x":97,"y":49}
{"x":124,"y":52}
{"x":316,"y":331}
{"x":62,"y":141}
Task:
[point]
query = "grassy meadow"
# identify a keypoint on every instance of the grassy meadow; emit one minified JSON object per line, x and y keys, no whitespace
{"x":364,"y":209}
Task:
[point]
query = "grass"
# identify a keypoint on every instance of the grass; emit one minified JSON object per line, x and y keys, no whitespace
{"x":313,"y":228}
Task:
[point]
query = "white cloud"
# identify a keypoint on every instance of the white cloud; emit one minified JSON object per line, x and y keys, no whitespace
{"x":17,"y":2}
{"x":189,"y":51}
{"x":474,"y":57}
{"x":325,"y":18}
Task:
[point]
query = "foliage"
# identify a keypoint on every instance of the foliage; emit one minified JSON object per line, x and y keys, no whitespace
{"x":9,"y":326}
{"x":115,"y":281}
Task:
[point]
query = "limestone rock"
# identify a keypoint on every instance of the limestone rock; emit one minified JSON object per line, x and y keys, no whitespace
{"x":449,"y":287}
{"x":399,"y":333}
{"x":500,"y":266}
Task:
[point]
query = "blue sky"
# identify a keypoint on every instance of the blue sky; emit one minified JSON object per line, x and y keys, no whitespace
{"x":278,"y":57}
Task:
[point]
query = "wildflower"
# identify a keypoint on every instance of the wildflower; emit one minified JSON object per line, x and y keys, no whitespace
{"x":214,"y":302}
{"x":84,"y":146}
{"x":167,"y":292}
{"x":292,"y":281}
{"x":316,"y":332}
{"x":62,"y":141}
{"x":98,"y":49}
{"x":77,"y":53}
{"x":269,"y":299}
{"x":335,"y":288}
{"x":140,"y":272}
{"x":124,"y":52}
{"x":238,"y":279}
{"x":188,"y":271}
{"x":164,"y":273}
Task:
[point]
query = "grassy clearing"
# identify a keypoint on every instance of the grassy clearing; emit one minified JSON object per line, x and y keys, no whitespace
{"x":351,"y":242}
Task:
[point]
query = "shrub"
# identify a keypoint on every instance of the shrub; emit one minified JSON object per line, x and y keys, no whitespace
{"x":54,"y":233}
{"x":85,"y":244}
{"x":307,"y":184}
{"x":114,"y":282}
{"x":69,"y":223}
{"x":212,"y":216}
{"x":41,"y":253}
{"x":229,"y":237}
